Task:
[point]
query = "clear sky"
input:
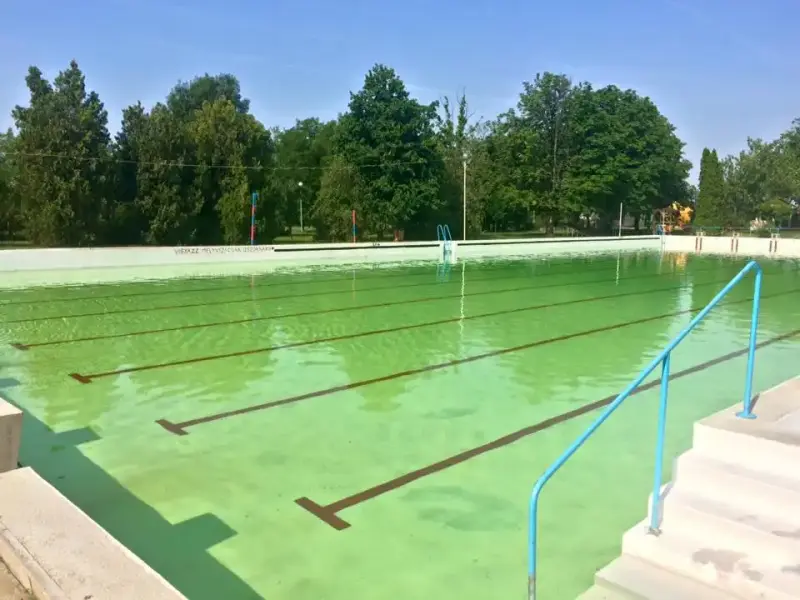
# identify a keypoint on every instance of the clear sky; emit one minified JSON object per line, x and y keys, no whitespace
{"x":721,"y":70}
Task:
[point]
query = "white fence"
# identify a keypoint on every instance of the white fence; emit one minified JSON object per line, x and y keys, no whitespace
{"x":734,"y":246}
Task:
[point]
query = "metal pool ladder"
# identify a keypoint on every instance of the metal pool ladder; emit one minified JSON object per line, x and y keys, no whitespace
{"x":663,"y":359}
{"x":443,"y":235}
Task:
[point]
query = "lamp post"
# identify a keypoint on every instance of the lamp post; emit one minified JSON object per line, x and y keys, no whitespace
{"x":300,"y":185}
{"x":465,"y":157}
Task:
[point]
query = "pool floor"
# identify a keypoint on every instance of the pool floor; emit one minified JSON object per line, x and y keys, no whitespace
{"x":374,"y":433}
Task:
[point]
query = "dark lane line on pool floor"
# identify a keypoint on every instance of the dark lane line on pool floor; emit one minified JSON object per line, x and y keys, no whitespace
{"x":180,"y":427}
{"x":28,"y":346}
{"x":251,"y":299}
{"x":350,"y":336}
{"x":247,"y":286}
{"x":328,"y":513}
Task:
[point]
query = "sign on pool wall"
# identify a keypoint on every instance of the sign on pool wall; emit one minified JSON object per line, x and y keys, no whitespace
{"x":222,"y":249}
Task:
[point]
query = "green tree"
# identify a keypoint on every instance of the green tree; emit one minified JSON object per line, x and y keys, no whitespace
{"x":183,"y":170}
{"x":10,"y":210}
{"x":342,"y":190}
{"x":233,"y":149}
{"x":188,"y":97}
{"x":390,"y":139}
{"x":571,"y":154}
{"x":63,"y":147}
{"x":626,"y":153}
{"x":168,"y":195}
{"x":127,"y":224}
{"x":302,"y":152}
{"x":760,"y":182}
{"x":710,"y":209}
{"x":456,"y":137}
{"x":188,"y":167}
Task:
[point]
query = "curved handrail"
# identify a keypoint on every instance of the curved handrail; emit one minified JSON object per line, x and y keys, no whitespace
{"x":443,"y":233}
{"x":664,"y":359}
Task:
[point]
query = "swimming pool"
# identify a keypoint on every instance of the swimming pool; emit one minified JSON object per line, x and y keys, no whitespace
{"x":375,"y":432}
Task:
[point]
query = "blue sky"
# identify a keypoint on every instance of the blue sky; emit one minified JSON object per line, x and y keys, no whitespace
{"x":721,"y":70}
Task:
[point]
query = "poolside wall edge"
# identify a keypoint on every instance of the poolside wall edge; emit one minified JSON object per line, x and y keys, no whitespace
{"x":63,"y":266}
{"x":32,"y":548}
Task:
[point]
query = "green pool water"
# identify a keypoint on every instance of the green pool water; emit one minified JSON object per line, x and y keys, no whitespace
{"x":416,"y":407}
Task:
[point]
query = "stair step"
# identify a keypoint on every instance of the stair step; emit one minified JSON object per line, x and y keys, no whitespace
{"x":635,"y":579}
{"x":743,"y":488}
{"x":769,"y":443}
{"x":746,"y":575}
{"x":767,"y":534}
{"x":598,"y":592}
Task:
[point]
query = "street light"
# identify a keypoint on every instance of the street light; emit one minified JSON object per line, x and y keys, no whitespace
{"x":300,"y":185}
{"x":465,"y":157}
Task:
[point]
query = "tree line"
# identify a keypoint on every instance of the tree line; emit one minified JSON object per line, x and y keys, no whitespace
{"x":183,"y":171}
{"x":758,"y":188}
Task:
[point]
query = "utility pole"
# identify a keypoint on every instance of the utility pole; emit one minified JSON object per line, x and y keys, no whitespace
{"x":464,"y":231}
{"x":620,"y":220}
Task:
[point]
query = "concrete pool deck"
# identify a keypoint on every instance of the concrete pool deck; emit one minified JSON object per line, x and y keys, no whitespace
{"x":52,"y":548}
{"x":57,"y":552}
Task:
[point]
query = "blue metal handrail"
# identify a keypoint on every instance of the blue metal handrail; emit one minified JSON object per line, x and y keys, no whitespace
{"x":664,"y":359}
{"x":443,"y":233}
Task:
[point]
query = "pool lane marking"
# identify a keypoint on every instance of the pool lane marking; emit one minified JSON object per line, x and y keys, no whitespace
{"x":22,"y":346}
{"x":180,"y":427}
{"x":349,"y":336}
{"x":296,"y":295}
{"x":328,"y":513}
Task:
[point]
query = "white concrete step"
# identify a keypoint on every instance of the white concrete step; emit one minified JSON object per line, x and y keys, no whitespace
{"x":766,"y":534}
{"x":746,"y":575}
{"x":629,"y":578}
{"x":768,"y":444}
{"x":777,"y":454}
{"x":754,"y":491}
{"x":597,"y":592}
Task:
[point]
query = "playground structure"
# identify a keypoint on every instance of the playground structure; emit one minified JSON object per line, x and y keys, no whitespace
{"x":673,"y":217}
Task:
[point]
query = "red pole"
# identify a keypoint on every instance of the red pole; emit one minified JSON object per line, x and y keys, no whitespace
{"x":253,"y":201}
{"x":354,"y":226}
{"x":252,"y":226}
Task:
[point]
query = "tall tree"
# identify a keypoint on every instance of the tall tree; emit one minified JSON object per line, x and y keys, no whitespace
{"x":10,"y":210}
{"x":63,"y":147}
{"x":627,"y":154}
{"x":232,"y":149}
{"x":302,"y":152}
{"x":190,"y":165}
{"x":390,"y":139}
{"x":541,"y":133}
{"x":459,"y":143}
{"x":188,"y":97}
{"x":710,"y":210}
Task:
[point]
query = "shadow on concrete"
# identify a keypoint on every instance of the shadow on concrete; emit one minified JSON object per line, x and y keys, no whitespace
{"x":179,"y":552}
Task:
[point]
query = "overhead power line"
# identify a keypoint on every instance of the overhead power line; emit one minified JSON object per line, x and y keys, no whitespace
{"x":179,"y":164}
